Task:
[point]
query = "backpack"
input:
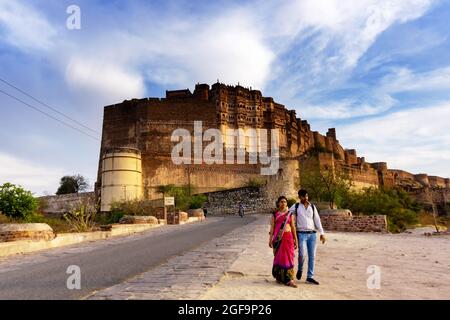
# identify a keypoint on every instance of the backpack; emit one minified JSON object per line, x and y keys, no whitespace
{"x":312,"y":205}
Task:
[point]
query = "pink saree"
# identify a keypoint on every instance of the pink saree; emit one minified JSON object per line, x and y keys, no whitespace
{"x":283,"y":262}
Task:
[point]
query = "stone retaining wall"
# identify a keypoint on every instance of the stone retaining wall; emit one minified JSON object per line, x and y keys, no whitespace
{"x":138,"y":220}
{"x":224,"y":202}
{"x":60,"y":204}
{"x":376,"y":223}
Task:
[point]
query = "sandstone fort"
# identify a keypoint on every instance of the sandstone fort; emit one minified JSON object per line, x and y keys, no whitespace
{"x":136,"y":146}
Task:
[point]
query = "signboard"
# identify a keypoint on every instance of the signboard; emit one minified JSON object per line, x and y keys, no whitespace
{"x":169,"y":201}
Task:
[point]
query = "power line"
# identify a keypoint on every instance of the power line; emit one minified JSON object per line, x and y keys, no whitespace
{"x":48,"y":115}
{"x":49,"y":107}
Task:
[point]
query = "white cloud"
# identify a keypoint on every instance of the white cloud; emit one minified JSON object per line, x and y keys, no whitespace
{"x":403,"y":80}
{"x":397,"y":81}
{"x":111,"y":82}
{"x":227,"y":46}
{"x":117,"y":60}
{"x":25,"y":27}
{"x":415,"y":140}
{"x":29,"y":175}
{"x":234,"y":45}
{"x":334,"y":35}
{"x":347,"y":108}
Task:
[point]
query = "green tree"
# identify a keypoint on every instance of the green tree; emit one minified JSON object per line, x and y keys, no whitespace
{"x":16,"y":202}
{"x":72,"y":184}
{"x":324,"y":183}
{"x":310,"y":179}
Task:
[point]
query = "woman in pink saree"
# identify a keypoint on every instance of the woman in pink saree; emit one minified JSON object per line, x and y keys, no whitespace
{"x":283,"y":240}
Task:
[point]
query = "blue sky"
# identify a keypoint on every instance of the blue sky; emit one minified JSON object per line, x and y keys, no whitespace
{"x":377,"y":71}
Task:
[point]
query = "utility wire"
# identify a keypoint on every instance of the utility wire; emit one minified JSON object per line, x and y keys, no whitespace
{"x":49,"y":107}
{"x":48,"y":115}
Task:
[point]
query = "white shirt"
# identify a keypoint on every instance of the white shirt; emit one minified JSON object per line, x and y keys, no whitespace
{"x":307,"y":220}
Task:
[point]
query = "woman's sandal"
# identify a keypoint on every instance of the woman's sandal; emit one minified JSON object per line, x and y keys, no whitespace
{"x":291,"y":284}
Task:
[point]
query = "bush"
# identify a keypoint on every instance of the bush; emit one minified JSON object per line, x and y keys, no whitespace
{"x":82,"y":217}
{"x":4,"y":219}
{"x":196,"y":201}
{"x":59,"y":225}
{"x":183,"y":201}
{"x":400,"y":219}
{"x":109,"y":217}
{"x":401,"y":212}
{"x":256,"y":183}
{"x":131,"y":208}
{"x":17,"y":203}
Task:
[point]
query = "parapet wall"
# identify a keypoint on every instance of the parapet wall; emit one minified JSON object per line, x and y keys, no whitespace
{"x":60,"y":204}
{"x":376,"y":223}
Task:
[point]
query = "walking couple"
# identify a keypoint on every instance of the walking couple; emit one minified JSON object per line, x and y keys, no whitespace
{"x":293,"y":228}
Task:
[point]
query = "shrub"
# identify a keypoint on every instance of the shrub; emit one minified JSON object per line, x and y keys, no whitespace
{"x":17,"y":203}
{"x":400,"y":210}
{"x":59,"y":225}
{"x":400,"y":219}
{"x":82,"y":217}
{"x":131,"y":208}
{"x":3,"y":218}
{"x":109,"y":217}
{"x":252,"y":182}
{"x":183,"y":200}
{"x":196,"y":201}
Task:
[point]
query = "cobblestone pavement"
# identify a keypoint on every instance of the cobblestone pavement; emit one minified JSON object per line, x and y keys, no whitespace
{"x":188,"y":276}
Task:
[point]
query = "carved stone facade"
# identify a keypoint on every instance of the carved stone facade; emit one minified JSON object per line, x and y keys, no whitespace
{"x":147,"y":125}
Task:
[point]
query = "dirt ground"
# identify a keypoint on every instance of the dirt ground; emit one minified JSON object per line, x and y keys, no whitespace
{"x":410,"y":265}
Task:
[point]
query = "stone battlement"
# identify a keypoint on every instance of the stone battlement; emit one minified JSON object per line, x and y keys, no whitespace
{"x":147,"y":124}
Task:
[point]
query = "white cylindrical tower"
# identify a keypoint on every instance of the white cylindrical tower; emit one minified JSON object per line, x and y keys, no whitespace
{"x":121,"y":176}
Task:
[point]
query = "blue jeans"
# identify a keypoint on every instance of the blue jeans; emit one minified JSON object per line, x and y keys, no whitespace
{"x":308,"y":240}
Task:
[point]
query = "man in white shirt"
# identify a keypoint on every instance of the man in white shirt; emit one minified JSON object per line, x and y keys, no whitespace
{"x":307,"y":222}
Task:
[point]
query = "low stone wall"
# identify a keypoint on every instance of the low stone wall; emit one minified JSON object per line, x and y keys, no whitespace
{"x":197,"y":213}
{"x":60,"y":204}
{"x":177,"y":217}
{"x":138,"y":220}
{"x":65,"y":239}
{"x":376,"y":223}
{"x":26,"y":231}
{"x":226,"y":202}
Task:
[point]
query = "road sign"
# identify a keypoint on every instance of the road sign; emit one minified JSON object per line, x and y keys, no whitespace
{"x":169,"y":201}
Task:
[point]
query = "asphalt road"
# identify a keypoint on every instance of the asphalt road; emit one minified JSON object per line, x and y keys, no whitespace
{"x":106,"y":266}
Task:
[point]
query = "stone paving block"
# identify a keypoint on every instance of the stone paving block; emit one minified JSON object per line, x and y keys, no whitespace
{"x":190,"y":275}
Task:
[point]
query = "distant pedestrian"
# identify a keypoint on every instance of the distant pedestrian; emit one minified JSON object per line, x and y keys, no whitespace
{"x":241,"y":209}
